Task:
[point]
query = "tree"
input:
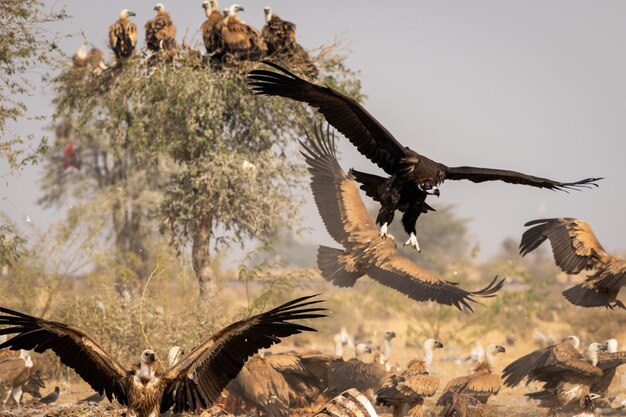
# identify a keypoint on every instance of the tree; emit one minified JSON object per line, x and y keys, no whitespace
{"x":219,"y":161}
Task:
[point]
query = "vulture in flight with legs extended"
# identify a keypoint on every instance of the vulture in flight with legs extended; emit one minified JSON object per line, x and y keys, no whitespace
{"x":240,"y":39}
{"x":412,"y":176}
{"x":346,"y":218}
{"x":123,"y":36}
{"x":576,"y":249}
{"x":212,"y":27}
{"x":194,"y":382}
{"x":160,"y":31}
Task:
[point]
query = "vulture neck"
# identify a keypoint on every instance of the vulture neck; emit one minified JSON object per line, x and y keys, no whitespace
{"x":490,"y":358}
{"x":359,"y":352}
{"x":386,"y":350}
{"x":146,"y":371}
{"x":428,"y":355}
{"x":338,"y":345}
{"x":208,"y":11}
{"x":611,"y":346}
{"x":268,"y":16}
{"x":592,"y":354}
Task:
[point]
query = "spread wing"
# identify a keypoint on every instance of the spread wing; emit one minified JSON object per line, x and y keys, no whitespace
{"x":475,"y":174}
{"x":574,"y":244}
{"x":344,"y":113}
{"x":348,"y":222}
{"x":199,"y":378}
{"x":74,"y":347}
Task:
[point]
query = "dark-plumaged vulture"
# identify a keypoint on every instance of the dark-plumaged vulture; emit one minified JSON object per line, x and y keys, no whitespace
{"x":567,"y":374}
{"x":481,"y":384}
{"x":160,"y":31}
{"x":278,"y":34}
{"x":211,"y":29}
{"x":355,"y":373}
{"x":123,"y":36}
{"x":576,"y":249}
{"x":610,"y":383}
{"x":348,"y":222}
{"x":91,"y":59}
{"x":412,"y":176}
{"x":406,"y":390}
{"x":350,"y":403}
{"x":239,"y":39}
{"x":196,"y":381}
{"x":14,"y":373}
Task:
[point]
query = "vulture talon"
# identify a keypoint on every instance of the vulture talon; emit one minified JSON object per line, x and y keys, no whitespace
{"x":383,"y":231}
{"x":413,"y":243}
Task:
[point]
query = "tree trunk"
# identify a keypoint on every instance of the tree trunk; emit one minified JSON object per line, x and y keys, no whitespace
{"x":201,"y":259}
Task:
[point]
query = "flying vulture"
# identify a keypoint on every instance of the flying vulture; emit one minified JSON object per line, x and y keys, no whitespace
{"x":14,"y":373}
{"x":212,"y":27}
{"x":350,"y":403}
{"x":123,"y":36}
{"x":160,"y":31}
{"x":346,"y":218}
{"x":92,"y":59}
{"x":241,"y":40}
{"x":576,"y":249}
{"x":407,"y":389}
{"x":194,"y":382}
{"x":412,"y":176}
{"x":481,"y":384}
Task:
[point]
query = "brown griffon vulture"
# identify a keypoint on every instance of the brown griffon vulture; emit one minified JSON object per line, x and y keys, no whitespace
{"x":350,"y":403}
{"x":194,"y":382}
{"x":355,"y":373}
{"x":481,"y":384}
{"x":123,"y":36}
{"x":14,"y":373}
{"x":576,"y":249}
{"x":610,"y":383}
{"x":412,"y":176}
{"x":278,"y":34}
{"x":346,"y":218}
{"x":407,"y":389}
{"x":160,"y":31}
{"x":211,"y":29}
{"x":239,"y":39}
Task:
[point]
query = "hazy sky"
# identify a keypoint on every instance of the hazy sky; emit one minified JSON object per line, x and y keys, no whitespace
{"x":533,"y":86}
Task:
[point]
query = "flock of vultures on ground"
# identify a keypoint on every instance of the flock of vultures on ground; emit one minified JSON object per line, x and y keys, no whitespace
{"x":231,"y":368}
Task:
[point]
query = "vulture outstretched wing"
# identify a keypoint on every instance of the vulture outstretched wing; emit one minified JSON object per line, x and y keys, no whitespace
{"x":476,"y":174}
{"x":73,"y":346}
{"x":346,"y":218}
{"x":199,"y":378}
{"x":344,"y":113}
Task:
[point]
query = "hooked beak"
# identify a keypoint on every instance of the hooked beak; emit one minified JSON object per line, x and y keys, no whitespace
{"x":240,"y":9}
{"x":604,"y":346}
{"x":132,"y":14}
{"x":438,"y":345}
{"x":500,"y":349}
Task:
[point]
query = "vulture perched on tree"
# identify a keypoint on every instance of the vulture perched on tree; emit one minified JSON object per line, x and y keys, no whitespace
{"x":212,"y":27}
{"x":92,"y":59}
{"x":14,"y":373}
{"x":412,"y":176}
{"x":350,"y":403}
{"x":566,"y":373}
{"x":407,"y":389}
{"x":481,"y":384}
{"x":576,"y":249}
{"x":123,"y":36}
{"x":160,"y":31}
{"x":239,"y":39}
{"x":347,"y":220}
{"x":194,"y":382}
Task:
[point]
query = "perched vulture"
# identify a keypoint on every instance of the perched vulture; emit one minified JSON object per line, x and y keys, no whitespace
{"x":123,"y":36}
{"x":278,"y":34}
{"x":92,"y":59}
{"x":52,"y":397}
{"x":194,"y":382}
{"x":350,"y":403}
{"x":160,"y":31}
{"x":239,"y":39}
{"x":386,"y":355}
{"x":212,"y":27}
{"x":576,"y":249}
{"x":346,"y":218}
{"x":407,"y":389}
{"x":481,"y":384}
{"x":566,"y":373}
{"x":412,"y":176}
{"x":354,"y":373}
{"x":14,"y":373}
{"x":610,"y":383}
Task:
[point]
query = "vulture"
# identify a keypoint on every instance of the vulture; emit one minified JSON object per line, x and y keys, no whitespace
{"x":194,"y":382}
{"x":211,"y":29}
{"x":412,"y":176}
{"x":348,"y":222}
{"x":92,"y":59}
{"x":566,"y":373}
{"x":123,"y":36}
{"x":160,"y":31}
{"x":481,"y":384}
{"x":576,"y":249}
{"x":407,"y":389}
{"x":239,"y":39}
{"x":52,"y":397}
{"x":355,"y":373}
{"x":14,"y":373}
{"x":610,"y":382}
{"x":387,"y":347}
{"x":350,"y":403}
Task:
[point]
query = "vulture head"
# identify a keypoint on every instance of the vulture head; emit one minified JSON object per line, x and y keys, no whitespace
{"x":389,"y":335}
{"x":206,"y":5}
{"x":361,"y":349}
{"x":148,"y":357}
{"x":213,"y":4}
{"x":494,"y":349}
{"x":429,"y":188}
{"x":433,"y":344}
{"x":268,"y":13}
{"x":234,"y":9}
{"x":574,"y":340}
{"x":125,"y":13}
{"x":159,"y":7}
{"x":611,"y":345}
{"x":592,"y":351}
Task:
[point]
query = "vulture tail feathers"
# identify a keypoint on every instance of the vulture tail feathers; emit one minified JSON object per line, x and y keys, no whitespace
{"x":584,"y":296}
{"x":333,"y":267}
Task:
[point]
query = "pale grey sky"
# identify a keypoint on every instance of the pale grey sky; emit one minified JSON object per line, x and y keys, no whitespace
{"x":533,"y":86}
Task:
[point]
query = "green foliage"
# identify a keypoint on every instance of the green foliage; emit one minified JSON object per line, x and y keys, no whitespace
{"x":11,"y":245}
